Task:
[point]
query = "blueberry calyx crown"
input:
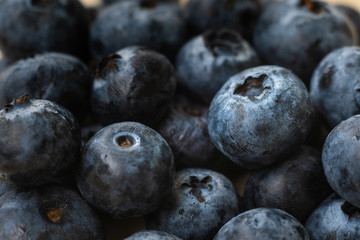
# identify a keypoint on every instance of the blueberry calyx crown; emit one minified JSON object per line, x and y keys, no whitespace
{"x":54,"y":211}
{"x":191,"y":111}
{"x":148,"y":4}
{"x":108,"y":63}
{"x":350,"y":210}
{"x":252,"y":87}
{"x":223,"y":42}
{"x":24,"y":99}
{"x":313,"y":6}
{"x":196,"y":185}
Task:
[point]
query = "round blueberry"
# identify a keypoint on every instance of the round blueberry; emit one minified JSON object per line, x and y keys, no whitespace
{"x":264,"y":224}
{"x":259,"y":116}
{"x":127,"y":169}
{"x":152,"y":235}
{"x":201,"y":202}
{"x":39,"y":142}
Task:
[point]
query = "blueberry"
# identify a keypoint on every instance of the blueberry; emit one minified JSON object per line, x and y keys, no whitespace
{"x":207,"y":61}
{"x":39,"y":142}
{"x":201,"y":202}
{"x":340,"y":158}
{"x":297,"y":185}
{"x":57,"y":77}
{"x":134,"y":84}
{"x":297,"y":34}
{"x":335,"y":85}
{"x":152,"y":235}
{"x":28,"y":27}
{"x":334,"y":219}
{"x":264,"y":224}
{"x":127,"y":169}
{"x":50,"y":212}
{"x":259,"y":116}
{"x":159,"y":26}
{"x":240,"y":15}
{"x":185,"y":130}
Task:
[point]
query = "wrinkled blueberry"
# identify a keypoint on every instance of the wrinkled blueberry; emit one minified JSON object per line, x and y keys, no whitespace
{"x":340,"y":158}
{"x":28,"y":27}
{"x":334,"y":219}
{"x":206,"y":62}
{"x":127,"y":169}
{"x":134,"y":84}
{"x":297,"y":185}
{"x":259,"y":116}
{"x":335,"y":85}
{"x":201,"y":202}
{"x":264,"y":224}
{"x":49,"y":212}
{"x":297,"y":34}
{"x":150,"y":23}
{"x":152,"y":235}
{"x":39,"y":142}
{"x":57,"y":77}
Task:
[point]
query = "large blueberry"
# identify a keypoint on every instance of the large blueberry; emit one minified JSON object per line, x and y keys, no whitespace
{"x":39,"y":142}
{"x":206,"y":62}
{"x":57,"y":77}
{"x":334,"y":219}
{"x":134,"y":84}
{"x":50,"y":212}
{"x":33,"y":26}
{"x":341,"y":159}
{"x":260,"y":115}
{"x":152,"y":235}
{"x":297,"y":185}
{"x":335,"y":85}
{"x":127,"y":169}
{"x":201,"y":202}
{"x":264,"y":224}
{"x":297,"y":34}
{"x":159,"y":26}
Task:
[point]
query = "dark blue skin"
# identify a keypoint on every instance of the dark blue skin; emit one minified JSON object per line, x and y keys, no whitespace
{"x":298,"y":34}
{"x":354,"y":17}
{"x":134,"y":84}
{"x":50,"y":212}
{"x":259,"y":116}
{"x":206,"y":62}
{"x":297,"y":185}
{"x":57,"y":77}
{"x":264,"y":224}
{"x":185,"y":129}
{"x":127,"y":169}
{"x":340,"y":158}
{"x":201,"y":202}
{"x":39,"y":142}
{"x":239,"y":15}
{"x":152,"y":235}
{"x":28,"y":27}
{"x":334,"y":219}
{"x":335,"y":85}
{"x":159,"y":26}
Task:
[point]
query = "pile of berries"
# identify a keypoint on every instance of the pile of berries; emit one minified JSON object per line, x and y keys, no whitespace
{"x":152,"y":109}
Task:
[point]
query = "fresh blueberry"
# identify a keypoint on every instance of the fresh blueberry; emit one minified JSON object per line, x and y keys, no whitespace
{"x":335,"y":85}
{"x":39,"y":142}
{"x":240,"y":15}
{"x":28,"y":27}
{"x":57,"y":77}
{"x":50,"y":212}
{"x":206,"y":62}
{"x":152,"y":235}
{"x":297,"y":34}
{"x":201,"y":202}
{"x":185,"y":130}
{"x":159,"y":26}
{"x":127,"y":169}
{"x":297,"y":185}
{"x":264,"y":224}
{"x":259,"y":116}
{"x":334,"y":219}
{"x":134,"y":84}
{"x":354,"y":17}
{"x":340,"y":158}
